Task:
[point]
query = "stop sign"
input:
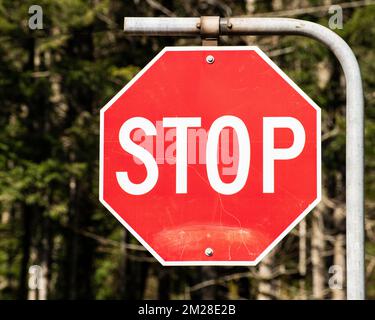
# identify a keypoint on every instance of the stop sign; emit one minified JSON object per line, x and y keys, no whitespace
{"x":210,"y":155}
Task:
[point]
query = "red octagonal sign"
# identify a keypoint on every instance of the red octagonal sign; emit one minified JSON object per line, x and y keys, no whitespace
{"x":210,"y":155}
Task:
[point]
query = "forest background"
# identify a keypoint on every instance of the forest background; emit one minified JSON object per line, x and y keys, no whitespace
{"x":53,"y":83}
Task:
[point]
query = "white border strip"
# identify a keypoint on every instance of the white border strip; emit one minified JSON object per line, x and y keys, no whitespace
{"x":283,"y":234}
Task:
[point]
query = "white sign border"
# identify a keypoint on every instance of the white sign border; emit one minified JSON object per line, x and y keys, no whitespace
{"x":286,"y":231}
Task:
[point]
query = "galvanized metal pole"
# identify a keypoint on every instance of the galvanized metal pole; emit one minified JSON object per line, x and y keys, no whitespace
{"x":354,"y":111}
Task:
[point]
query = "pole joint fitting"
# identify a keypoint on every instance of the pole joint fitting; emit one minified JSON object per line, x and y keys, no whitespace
{"x":209,"y":29}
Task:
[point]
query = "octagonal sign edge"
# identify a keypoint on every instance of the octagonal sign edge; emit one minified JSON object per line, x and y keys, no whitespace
{"x":291,"y":225}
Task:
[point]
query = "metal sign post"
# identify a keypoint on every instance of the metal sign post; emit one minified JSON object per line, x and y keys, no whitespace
{"x":215,"y":26}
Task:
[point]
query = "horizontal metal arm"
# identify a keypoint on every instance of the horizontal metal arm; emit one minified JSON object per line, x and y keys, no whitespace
{"x":354,"y":110}
{"x":162,"y":26}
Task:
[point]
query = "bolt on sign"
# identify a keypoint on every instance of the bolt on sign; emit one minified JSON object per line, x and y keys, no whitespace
{"x":210,"y":155}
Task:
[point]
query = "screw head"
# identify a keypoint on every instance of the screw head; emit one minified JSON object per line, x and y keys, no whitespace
{"x":209,"y":252}
{"x":210,"y":59}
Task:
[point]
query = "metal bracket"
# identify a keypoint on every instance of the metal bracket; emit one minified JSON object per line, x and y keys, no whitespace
{"x":210,"y":30}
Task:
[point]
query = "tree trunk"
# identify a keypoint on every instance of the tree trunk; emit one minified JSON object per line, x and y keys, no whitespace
{"x":27,"y":217}
{"x":164,"y":286}
{"x":73,"y":241}
{"x":208,"y":273}
{"x":124,"y":265}
{"x":266,"y":287}
{"x":317,"y":252}
{"x":244,"y":286}
{"x":45,"y":259}
{"x":338,"y":292}
{"x":302,"y":259}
